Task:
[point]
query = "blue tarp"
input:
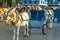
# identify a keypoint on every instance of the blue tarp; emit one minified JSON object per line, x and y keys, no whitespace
{"x":57,"y":15}
{"x":37,"y":16}
{"x":53,"y":3}
{"x":39,"y":2}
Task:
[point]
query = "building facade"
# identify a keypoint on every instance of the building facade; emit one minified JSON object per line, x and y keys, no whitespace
{"x":15,"y":2}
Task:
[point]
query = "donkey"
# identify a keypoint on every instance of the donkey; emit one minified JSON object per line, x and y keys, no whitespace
{"x":17,"y":22}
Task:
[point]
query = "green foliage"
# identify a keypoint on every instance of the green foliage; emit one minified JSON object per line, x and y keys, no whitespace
{"x":13,"y":4}
{"x":1,"y":1}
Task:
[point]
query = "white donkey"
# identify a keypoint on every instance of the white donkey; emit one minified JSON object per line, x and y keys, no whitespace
{"x":17,"y":22}
{"x":49,"y":17}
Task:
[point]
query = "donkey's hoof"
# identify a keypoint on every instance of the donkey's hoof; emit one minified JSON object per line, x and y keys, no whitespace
{"x":50,"y":28}
{"x":1,"y":21}
{"x":26,"y":35}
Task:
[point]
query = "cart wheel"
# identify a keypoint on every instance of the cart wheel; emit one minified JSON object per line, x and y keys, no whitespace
{"x":44,"y":29}
{"x":11,"y":28}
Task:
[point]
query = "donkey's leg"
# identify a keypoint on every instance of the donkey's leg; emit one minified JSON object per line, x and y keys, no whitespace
{"x":18,"y":32}
{"x":1,"y":17}
{"x":26,"y":31}
{"x":14,"y":31}
{"x":51,"y":24}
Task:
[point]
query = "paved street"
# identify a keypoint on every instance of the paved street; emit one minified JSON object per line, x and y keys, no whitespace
{"x":36,"y":34}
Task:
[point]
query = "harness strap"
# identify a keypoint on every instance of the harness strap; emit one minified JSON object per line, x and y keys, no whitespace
{"x":9,"y":11}
{"x":21,"y":16}
{"x":49,"y":13}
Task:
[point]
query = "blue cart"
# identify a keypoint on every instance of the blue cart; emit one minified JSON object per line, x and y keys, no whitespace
{"x":38,"y":17}
{"x":57,"y":16}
